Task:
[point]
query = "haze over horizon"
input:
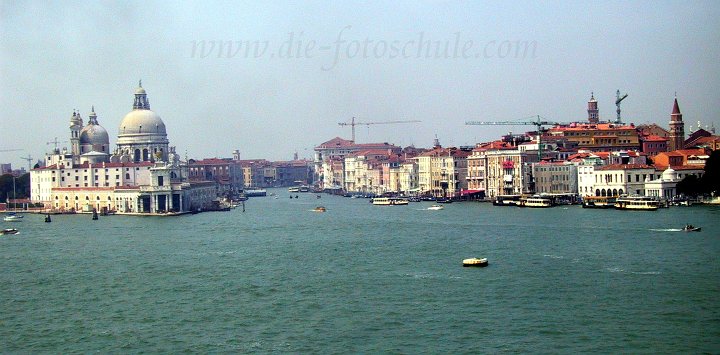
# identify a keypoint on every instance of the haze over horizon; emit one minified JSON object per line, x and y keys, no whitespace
{"x":302,"y":69}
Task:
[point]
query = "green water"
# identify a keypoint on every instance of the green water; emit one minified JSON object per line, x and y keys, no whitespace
{"x":358,"y":278}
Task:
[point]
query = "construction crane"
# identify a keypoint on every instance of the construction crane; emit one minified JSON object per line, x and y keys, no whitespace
{"x":55,"y":142}
{"x":9,"y":150}
{"x":617,"y":103}
{"x":29,"y":160}
{"x":353,"y":124}
{"x":538,"y":123}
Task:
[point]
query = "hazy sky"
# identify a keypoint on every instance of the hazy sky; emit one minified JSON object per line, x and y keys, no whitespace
{"x":313,"y":64}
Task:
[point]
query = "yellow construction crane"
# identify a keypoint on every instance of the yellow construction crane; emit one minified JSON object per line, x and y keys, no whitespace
{"x":539,"y":122}
{"x":352,"y":124}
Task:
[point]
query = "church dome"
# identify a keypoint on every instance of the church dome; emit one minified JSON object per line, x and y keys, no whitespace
{"x":669,"y":175}
{"x":94,"y":133}
{"x":141,"y":121}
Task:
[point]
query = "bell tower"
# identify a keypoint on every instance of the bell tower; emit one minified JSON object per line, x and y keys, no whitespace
{"x":593,"y":113}
{"x":677,"y":128}
{"x":76,"y":125}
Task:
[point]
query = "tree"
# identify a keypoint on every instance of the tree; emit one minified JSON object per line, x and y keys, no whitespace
{"x":711,"y":179}
{"x":690,"y":186}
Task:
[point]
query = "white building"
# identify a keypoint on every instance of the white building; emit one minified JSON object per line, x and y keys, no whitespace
{"x":143,"y":175}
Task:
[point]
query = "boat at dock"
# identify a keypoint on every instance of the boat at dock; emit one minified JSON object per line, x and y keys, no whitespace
{"x":599,"y":201}
{"x":536,"y":202}
{"x":637,"y":203}
{"x":507,"y":200}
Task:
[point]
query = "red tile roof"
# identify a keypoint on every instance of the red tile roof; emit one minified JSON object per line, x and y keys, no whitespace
{"x":625,"y":167}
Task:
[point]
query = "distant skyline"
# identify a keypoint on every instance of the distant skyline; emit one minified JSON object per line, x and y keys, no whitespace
{"x":300,"y":70}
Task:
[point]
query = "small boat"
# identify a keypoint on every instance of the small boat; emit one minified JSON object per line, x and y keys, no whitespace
{"x":475,"y":262}
{"x":319,"y":209}
{"x":9,"y":231}
{"x":12,"y":217}
{"x":435,"y":207}
{"x":691,"y":228}
{"x":48,"y":219}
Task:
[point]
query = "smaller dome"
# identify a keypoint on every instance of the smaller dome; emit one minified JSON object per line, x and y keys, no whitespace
{"x":140,"y":91}
{"x":94,"y":134}
{"x":669,"y":175}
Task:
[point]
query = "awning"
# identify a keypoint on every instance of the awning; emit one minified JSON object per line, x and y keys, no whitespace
{"x":470,"y":192}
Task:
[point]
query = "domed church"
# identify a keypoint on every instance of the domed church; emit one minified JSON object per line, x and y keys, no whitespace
{"x":143,"y":175}
{"x":142,"y":135}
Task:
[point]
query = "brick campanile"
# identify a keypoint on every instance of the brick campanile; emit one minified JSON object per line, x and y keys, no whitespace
{"x":677,"y":128}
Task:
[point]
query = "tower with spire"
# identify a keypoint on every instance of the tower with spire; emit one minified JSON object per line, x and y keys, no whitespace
{"x":76,"y":125}
{"x":677,"y":128}
{"x":593,"y":113}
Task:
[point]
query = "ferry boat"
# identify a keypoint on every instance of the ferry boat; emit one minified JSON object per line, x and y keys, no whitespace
{"x":389,"y":201}
{"x":599,"y":201}
{"x":255,"y":192}
{"x":507,"y":200}
{"x":639,"y":203}
{"x":537,"y":202}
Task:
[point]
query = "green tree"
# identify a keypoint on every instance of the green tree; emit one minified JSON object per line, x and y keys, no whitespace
{"x":711,"y":178}
{"x":690,"y":186}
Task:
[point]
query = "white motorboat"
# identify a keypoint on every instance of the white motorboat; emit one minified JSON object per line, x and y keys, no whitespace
{"x":12,"y":217}
{"x":475,"y":262}
{"x":435,"y":208}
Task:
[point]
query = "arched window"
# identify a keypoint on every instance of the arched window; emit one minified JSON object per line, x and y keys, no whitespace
{"x":620,"y":191}
{"x":146,"y":155}
{"x":597,"y":192}
{"x":136,"y":158}
{"x":614,"y":192}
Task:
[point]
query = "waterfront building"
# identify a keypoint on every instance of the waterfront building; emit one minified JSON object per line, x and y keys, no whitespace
{"x":442,"y":172}
{"x":600,"y":136}
{"x":682,"y":157}
{"x":665,"y":186}
{"x":254,"y":172}
{"x":555,"y":177}
{"x":226,"y":173}
{"x":622,"y":179}
{"x":677,"y":128}
{"x":293,"y":172}
{"x":364,"y":171}
{"x":586,"y":165}
{"x":142,"y":175}
{"x":477,"y":165}
{"x":326,"y":172}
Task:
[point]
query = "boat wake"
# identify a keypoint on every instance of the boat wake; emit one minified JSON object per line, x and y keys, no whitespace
{"x":666,"y":229}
